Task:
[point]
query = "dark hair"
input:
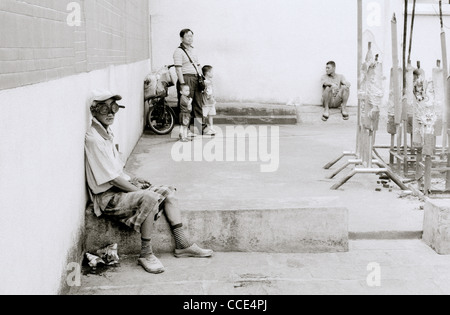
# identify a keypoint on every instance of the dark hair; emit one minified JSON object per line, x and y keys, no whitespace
{"x":331,"y":63}
{"x":206,"y":69}
{"x":185,"y":31}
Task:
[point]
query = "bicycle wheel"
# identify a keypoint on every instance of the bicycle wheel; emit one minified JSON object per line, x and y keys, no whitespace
{"x":161,"y":119}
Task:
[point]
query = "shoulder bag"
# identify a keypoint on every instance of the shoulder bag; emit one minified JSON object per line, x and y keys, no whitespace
{"x":200,"y":77}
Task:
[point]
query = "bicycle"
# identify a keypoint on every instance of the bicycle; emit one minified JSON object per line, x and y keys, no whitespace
{"x":161,"y":117}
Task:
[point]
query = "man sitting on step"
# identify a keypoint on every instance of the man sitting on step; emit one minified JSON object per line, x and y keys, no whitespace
{"x":134,"y":202}
{"x":336,"y":91}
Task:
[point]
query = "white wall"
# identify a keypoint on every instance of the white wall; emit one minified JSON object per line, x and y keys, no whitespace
{"x":426,"y":41}
{"x":426,"y":45}
{"x":42,"y":182}
{"x":263,"y":50}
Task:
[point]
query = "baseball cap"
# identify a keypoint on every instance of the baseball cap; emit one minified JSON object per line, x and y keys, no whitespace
{"x":103,"y":95}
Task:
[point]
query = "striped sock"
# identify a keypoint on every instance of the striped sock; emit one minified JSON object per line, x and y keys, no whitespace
{"x":146,"y":249}
{"x":181,"y":240}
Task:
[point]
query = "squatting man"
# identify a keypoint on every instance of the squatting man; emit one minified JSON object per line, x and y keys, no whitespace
{"x":133,"y":201}
{"x":336,"y":91}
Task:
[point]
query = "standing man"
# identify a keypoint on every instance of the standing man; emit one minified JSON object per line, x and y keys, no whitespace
{"x":336,"y":91}
{"x":134,"y":202}
{"x":188,"y":68}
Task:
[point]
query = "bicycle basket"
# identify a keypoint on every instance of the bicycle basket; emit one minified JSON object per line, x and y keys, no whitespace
{"x":157,"y":83}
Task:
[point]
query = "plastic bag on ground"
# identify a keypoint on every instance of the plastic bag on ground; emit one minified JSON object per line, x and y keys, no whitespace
{"x":109,"y":254}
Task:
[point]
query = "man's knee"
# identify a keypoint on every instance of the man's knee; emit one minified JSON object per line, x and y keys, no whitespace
{"x":327,"y":94}
{"x":345,"y":90}
{"x":327,"y":90}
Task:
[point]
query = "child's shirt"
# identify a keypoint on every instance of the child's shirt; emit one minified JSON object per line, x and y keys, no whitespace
{"x":208,"y":94}
{"x":186,"y":104}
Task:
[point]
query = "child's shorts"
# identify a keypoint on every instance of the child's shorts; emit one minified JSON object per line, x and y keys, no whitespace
{"x":185,"y":118}
{"x":209,"y":110}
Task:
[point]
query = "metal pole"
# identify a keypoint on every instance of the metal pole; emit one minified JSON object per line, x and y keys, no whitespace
{"x":360,"y":57}
{"x":446,"y":116}
{"x":405,"y":34}
{"x":396,"y":84}
{"x":445,"y":68}
{"x":412,"y":29}
{"x":395,"y":60}
{"x":404,"y":101}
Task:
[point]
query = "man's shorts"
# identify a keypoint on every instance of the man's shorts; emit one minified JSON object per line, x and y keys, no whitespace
{"x":185,"y":118}
{"x":209,"y":110}
{"x":336,"y":101}
{"x":134,"y":208}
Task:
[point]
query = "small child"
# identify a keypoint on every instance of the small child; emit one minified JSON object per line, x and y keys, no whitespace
{"x":209,"y":102}
{"x":185,"y":112}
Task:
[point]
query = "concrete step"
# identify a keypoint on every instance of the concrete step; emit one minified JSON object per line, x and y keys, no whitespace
{"x":276,"y":114}
{"x":312,"y":229}
{"x":312,"y":114}
{"x":284,"y":230}
{"x":255,"y":109}
{"x":386,"y":235}
{"x":253,"y":113}
{"x":256,"y":120}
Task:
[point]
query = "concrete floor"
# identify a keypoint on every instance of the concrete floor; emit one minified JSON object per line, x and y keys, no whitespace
{"x":299,"y":181}
{"x":392,"y":223}
{"x":391,"y":267}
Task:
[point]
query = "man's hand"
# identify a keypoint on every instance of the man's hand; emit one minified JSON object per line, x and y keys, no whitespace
{"x":124,"y":184}
{"x":140,"y":183}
